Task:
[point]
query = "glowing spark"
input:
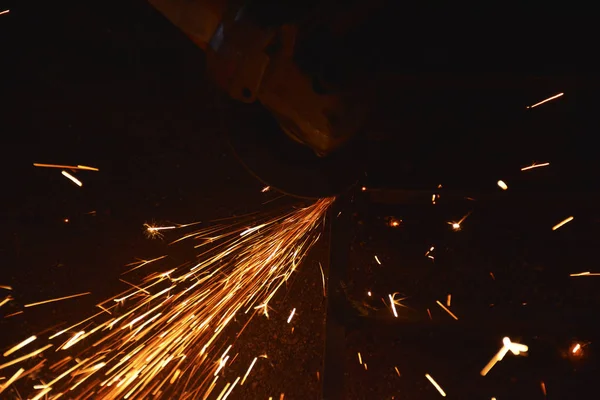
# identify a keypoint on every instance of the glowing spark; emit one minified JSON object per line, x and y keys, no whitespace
{"x":281,"y":396}
{"x":248,"y":371}
{"x":291,"y":315}
{"x":555,"y":227}
{"x":369,"y":294}
{"x":136,"y":349}
{"x":13,"y":314}
{"x":19,"y":346}
{"x":231,"y":388}
{"x":543,"y":386}
{"x":394,"y":223}
{"x":364,"y":188}
{"x":6,"y":300}
{"x":25,"y":357}
{"x":507,"y":345}
{"x":57,"y":299}
{"x":12,"y":378}
{"x":546,"y":100}
{"x":5,"y":287}
{"x":4,"y":12}
{"x":492,"y":275}
{"x":75,"y":167}
{"x":72,"y":178}
{"x":142,"y":263}
{"x":449,"y":300}
{"x":393,"y":305}
{"x":377,"y":259}
{"x":576,"y":350}
{"x":435,"y":384}
{"x":250,"y":230}
{"x":502,"y":185}
{"x":534,"y":165}
{"x":266,"y":189}
{"x":359,"y":358}
{"x":456,"y":225}
{"x":587,"y":273}
{"x":445,"y":309}
{"x":398,"y":372}
{"x":323,"y":279}
{"x":155,"y":231}
{"x":365,"y":365}
{"x":429,"y":313}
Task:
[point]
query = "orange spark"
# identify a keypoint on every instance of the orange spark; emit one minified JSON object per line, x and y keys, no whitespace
{"x":435,"y":384}
{"x":534,"y":165}
{"x":561,"y":223}
{"x":546,"y":100}
{"x":72,"y":178}
{"x":57,"y":299}
{"x":445,"y":309}
{"x":291,"y":315}
{"x":74,"y":167}
{"x":19,"y":346}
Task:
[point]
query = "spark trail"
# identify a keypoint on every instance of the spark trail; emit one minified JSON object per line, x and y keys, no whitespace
{"x":169,"y":336}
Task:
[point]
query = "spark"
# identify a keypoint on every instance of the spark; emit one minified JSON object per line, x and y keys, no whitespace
{"x":543,"y":386}
{"x":155,"y":231}
{"x":397,"y":371}
{"x":5,"y":287}
{"x":456,"y":225}
{"x":364,"y":188}
{"x":323,"y":279}
{"x":502,"y":185}
{"x":6,"y":300}
{"x":394,"y":223}
{"x":377,"y":259}
{"x":231,"y":388}
{"x":449,"y":300}
{"x":72,"y":178}
{"x":577,"y":350}
{"x":561,"y":223}
{"x":445,"y":309}
{"x":12,"y":378}
{"x":19,"y":346}
{"x":493,"y":276}
{"x":4,"y":12}
{"x":248,"y":371}
{"x":393,"y":305}
{"x":507,"y":345}
{"x":57,"y":299}
{"x":73,"y":167}
{"x":360,"y":358}
{"x":176,"y":320}
{"x":25,"y":357}
{"x":13,"y":314}
{"x":428,"y":253}
{"x":365,"y":365}
{"x":281,"y":396}
{"x":435,"y":384}
{"x":291,"y":315}
{"x":369,"y":293}
{"x":534,"y":165}
{"x":429,"y":313}
{"x":142,"y":263}
{"x":266,"y":189}
{"x":546,"y":100}
{"x":587,"y":273}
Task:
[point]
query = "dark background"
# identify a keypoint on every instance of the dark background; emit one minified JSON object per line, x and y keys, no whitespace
{"x":116,"y":86}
